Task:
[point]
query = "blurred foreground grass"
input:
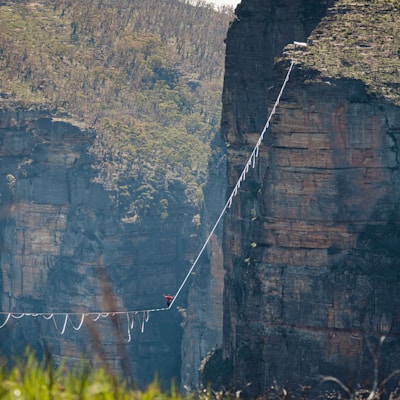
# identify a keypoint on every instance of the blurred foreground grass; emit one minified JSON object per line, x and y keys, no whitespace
{"x":32,"y":379}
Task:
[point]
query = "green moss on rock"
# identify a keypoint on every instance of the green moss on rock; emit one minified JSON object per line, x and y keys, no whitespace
{"x":357,"y":40}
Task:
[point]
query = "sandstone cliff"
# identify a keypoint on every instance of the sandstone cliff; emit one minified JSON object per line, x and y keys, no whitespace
{"x":311,"y":242}
{"x":111,"y":217}
{"x":66,"y":247}
{"x":203,"y":324}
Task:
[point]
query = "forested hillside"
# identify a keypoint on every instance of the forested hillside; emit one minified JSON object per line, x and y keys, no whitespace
{"x":146,"y":75}
{"x":108,"y":114}
{"x":370,"y":53}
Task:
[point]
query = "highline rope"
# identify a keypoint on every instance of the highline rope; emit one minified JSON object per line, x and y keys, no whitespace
{"x":144,"y":315}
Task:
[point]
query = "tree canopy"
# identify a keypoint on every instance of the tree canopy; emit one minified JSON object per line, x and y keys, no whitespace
{"x":145,"y":74}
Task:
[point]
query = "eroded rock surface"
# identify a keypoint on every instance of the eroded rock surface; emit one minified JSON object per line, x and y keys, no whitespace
{"x":311,"y":245}
{"x":65,"y":247}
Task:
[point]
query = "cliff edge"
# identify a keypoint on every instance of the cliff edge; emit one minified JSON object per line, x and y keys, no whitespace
{"x":66,"y":247}
{"x":312,"y":284}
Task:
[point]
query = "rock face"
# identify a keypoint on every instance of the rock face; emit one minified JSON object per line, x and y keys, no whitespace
{"x":204,"y":315}
{"x":311,"y":242}
{"x":66,"y":248}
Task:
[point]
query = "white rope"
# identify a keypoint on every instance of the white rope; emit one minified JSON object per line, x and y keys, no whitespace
{"x":18,"y":316}
{"x":5,"y":321}
{"x":80,"y":324}
{"x":95,"y":318}
{"x":145,"y":314}
{"x":132,"y":323}
{"x":64,"y":325}
{"x":228,"y":204}
{"x":142,"y":326}
{"x":130,"y":326}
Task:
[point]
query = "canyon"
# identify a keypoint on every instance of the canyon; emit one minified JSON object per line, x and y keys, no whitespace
{"x":300,"y":281}
{"x":311,"y":245}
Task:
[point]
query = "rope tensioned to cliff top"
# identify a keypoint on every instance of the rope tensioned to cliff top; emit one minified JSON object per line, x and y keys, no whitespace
{"x":143,"y":315}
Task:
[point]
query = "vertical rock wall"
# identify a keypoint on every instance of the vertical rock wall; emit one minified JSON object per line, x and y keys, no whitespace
{"x":311,"y":244}
{"x":65,"y":248}
{"x":204,"y":314}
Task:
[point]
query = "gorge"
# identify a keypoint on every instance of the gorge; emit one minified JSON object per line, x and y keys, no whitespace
{"x":301,"y":281}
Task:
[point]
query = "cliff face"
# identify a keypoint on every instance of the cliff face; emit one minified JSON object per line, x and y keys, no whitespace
{"x":204,"y":316}
{"x":110,"y":218}
{"x":311,"y":243}
{"x":65,"y":247}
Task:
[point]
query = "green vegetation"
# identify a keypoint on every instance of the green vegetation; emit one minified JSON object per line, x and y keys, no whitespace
{"x":358,"y":40}
{"x":34,"y":380}
{"x":146,"y":75}
{"x":29,"y":379}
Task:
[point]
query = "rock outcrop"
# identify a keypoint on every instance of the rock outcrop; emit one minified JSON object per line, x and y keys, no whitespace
{"x":111,"y":218}
{"x":204,"y":315}
{"x":66,"y":247}
{"x":311,"y":242}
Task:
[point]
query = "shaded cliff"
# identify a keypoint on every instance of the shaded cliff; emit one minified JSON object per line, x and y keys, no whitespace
{"x":204,"y":315}
{"x":108,"y":116}
{"x":66,"y":247}
{"x":311,"y":243}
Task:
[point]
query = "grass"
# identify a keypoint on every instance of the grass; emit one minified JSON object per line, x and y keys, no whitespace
{"x":31,"y":379}
{"x":358,"y":40}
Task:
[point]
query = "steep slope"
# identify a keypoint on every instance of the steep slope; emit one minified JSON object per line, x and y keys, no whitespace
{"x":311,"y":245}
{"x":65,"y":248}
{"x":108,"y":111}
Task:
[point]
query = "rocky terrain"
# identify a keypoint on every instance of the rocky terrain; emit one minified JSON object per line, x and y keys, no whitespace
{"x":107,"y":114}
{"x":65,"y":248}
{"x":309,"y":246}
{"x":311,"y":242}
